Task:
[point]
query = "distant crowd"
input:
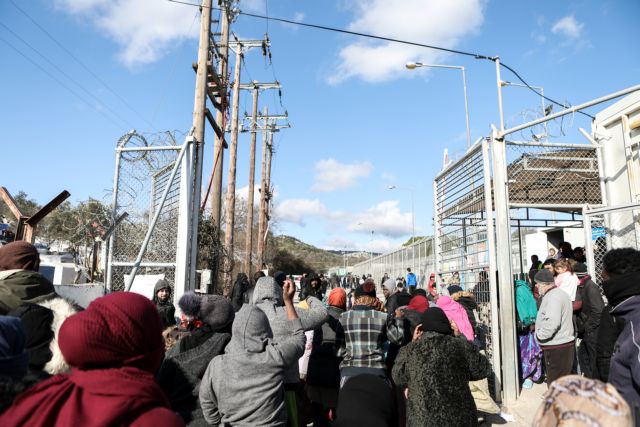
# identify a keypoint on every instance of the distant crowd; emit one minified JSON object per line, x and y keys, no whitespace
{"x":329,"y":353}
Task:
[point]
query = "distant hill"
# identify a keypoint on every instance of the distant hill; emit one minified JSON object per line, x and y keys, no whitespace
{"x":319,"y":259}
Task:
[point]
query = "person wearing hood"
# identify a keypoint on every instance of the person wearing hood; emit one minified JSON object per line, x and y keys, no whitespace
{"x":268,"y":297}
{"x":162,"y":298}
{"x":114,"y":347}
{"x":436,"y":368}
{"x":366,"y":329}
{"x":623,"y":293}
{"x":182,"y":371}
{"x":323,"y":373}
{"x":21,"y":288}
{"x":457,"y":314}
{"x":388,"y":288}
{"x":240,"y":289}
{"x":244,"y":386}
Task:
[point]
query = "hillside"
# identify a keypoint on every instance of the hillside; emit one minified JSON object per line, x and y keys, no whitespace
{"x":319,"y":259}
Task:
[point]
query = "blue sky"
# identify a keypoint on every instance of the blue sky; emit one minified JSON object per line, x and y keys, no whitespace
{"x":361,"y":121}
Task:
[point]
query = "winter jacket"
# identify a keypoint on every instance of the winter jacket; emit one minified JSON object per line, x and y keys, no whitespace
{"x":244,"y":386}
{"x":166,"y":309}
{"x":588,"y":318}
{"x":239,"y":291}
{"x":554,"y":323}
{"x":525,"y":303}
{"x":608,"y":331}
{"x":324,"y":363}
{"x":268,"y":297}
{"x":623,"y":292}
{"x":397,"y":300}
{"x":180,"y":376}
{"x":20,"y":286}
{"x":568,"y":282}
{"x":437,"y":369}
{"x":456,"y":313}
{"x":467,"y":300}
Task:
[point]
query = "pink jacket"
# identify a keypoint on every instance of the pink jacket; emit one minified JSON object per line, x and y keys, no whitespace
{"x":455,"y":312}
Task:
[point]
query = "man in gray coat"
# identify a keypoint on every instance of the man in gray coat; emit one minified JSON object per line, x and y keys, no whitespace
{"x":554,"y":327}
{"x":243,"y":387}
{"x":268,"y":297}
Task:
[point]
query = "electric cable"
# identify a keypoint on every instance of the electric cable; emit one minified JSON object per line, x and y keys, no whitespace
{"x":393,"y":40}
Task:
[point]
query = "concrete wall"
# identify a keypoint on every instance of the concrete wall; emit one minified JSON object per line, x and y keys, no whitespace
{"x":81,"y":294}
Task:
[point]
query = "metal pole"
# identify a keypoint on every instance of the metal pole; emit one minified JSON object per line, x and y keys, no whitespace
{"x":499,"y":84}
{"x":466,"y":106}
{"x":570,"y":110}
{"x":436,"y":234}
{"x":218,"y":151}
{"x":508,"y":346}
{"x":252,"y":173}
{"x":413,"y":220}
{"x":165,"y":193}
{"x":231,"y":179}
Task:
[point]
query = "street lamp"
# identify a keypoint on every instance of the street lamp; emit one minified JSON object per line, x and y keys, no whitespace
{"x":545,"y":111}
{"x":414,"y":65}
{"x":413,"y":215}
{"x":371,"y":251}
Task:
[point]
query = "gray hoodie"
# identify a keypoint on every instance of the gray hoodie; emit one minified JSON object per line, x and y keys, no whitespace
{"x":268,"y":297}
{"x":244,"y":386}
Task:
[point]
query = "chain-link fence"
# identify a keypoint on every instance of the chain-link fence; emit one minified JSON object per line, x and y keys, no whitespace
{"x":610,"y":228}
{"x":144,"y":164}
{"x":418,"y":257}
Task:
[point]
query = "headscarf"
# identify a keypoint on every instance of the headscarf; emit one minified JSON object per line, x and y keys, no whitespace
{"x":19,"y":255}
{"x":418,"y":303}
{"x":435,"y":320}
{"x":338,"y":298}
{"x":13,"y":357}
{"x":366,"y":400}
{"x":114,"y":347}
{"x":456,"y":313}
{"x":574,"y":400}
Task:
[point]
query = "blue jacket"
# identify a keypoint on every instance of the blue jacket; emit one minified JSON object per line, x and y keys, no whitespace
{"x":411,"y":280}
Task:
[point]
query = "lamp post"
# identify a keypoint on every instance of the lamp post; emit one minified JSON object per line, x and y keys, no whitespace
{"x":414,"y":65}
{"x":544,"y":107}
{"x":413,"y":215}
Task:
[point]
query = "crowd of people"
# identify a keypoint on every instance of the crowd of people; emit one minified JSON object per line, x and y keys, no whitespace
{"x":376,"y":354}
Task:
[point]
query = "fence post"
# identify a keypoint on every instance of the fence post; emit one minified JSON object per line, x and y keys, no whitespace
{"x":508,"y":346}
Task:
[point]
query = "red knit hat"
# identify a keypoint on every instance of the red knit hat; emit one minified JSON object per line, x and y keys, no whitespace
{"x":418,"y":303}
{"x":119,"y":329}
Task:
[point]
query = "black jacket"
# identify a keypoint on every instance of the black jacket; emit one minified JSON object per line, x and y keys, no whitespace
{"x":324,"y":364}
{"x":399,"y":299}
{"x":588,"y":318}
{"x":239,"y":292}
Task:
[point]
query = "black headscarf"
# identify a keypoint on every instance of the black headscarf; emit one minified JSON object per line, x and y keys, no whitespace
{"x":366,"y":400}
{"x":435,"y":320}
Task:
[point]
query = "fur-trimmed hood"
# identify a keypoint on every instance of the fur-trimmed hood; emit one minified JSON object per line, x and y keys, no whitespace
{"x":62,"y":309}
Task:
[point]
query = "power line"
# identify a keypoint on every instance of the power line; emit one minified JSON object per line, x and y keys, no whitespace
{"x":61,"y":71}
{"x":44,"y":70}
{"x":389,"y":39}
{"x":87,"y":69}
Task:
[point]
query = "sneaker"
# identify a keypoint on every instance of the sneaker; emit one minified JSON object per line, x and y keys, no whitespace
{"x":527,"y":383}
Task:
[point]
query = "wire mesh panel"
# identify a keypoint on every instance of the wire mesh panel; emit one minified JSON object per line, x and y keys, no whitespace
{"x":144,"y":164}
{"x":610,"y":228}
{"x":554,"y":175}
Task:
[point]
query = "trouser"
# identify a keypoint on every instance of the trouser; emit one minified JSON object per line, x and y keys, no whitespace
{"x":587,"y":355}
{"x":558,"y":361}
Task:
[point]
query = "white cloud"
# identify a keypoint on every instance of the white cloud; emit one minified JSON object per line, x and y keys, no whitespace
{"x":568,"y":26}
{"x":332,"y":175}
{"x":434,"y":22}
{"x":144,"y":29}
{"x":383,"y":219}
{"x":243,"y":193}
{"x":377,"y":245}
{"x":298,"y":210}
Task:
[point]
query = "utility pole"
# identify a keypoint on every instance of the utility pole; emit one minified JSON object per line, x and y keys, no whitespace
{"x":231,"y":180}
{"x":265,"y":188}
{"x":218,"y":150}
{"x":255,"y":86}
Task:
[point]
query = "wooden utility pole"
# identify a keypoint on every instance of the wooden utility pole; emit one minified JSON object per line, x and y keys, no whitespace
{"x":230,"y":205}
{"x":218,"y":149}
{"x":263,"y":191}
{"x":252,"y":173}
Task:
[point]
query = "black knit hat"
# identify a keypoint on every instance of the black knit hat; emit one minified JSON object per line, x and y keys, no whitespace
{"x":189,"y":303}
{"x":580,"y":269}
{"x":434,"y":319}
